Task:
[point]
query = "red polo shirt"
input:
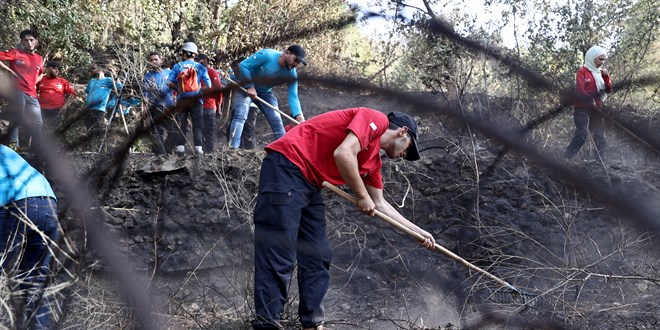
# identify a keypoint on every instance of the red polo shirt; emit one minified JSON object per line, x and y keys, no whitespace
{"x":28,"y":66}
{"x":52,"y":92}
{"x":311,"y":145}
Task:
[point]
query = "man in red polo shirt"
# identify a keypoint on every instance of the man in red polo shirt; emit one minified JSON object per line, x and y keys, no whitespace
{"x":27,"y":68}
{"x":341,"y":147}
{"x":55,"y":94}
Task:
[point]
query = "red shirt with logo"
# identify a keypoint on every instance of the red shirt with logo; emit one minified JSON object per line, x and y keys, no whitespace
{"x":311,"y":145}
{"x":53,"y":92}
{"x":28,"y":66}
{"x":213,"y":101}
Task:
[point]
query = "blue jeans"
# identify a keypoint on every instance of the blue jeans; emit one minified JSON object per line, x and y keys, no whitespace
{"x":289,"y":226}
{"x":241,"y":103}
{"x":27,"y":254}
{"x":25,"y":112}
{"x":587,"y":121}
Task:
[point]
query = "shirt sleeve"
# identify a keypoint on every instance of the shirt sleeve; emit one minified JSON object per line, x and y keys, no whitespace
{"x":145,"y":87}
{"x":368,"y":125}
{"x":258,"y":59}
{"x":8,"y":55}
{"x":42,"y":70}
{"x":173,"y":74}
{"x":374,"y":179}
{"x":216,"y":83}
{"x":294,"y":101}
{"x":68,"y":90}
{"x":204,"y":76}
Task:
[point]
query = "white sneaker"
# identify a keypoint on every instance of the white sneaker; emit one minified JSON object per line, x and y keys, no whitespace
{"x":199,"y":150}
{"x":180,"y":149}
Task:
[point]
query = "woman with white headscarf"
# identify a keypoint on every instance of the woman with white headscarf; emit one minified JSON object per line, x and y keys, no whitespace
{"x":592,"y":85}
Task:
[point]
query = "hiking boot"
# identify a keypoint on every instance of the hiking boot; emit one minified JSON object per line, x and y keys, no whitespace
{"x":14,"y":146}
{"x":198,"y":150}
{"x":180,"y":149}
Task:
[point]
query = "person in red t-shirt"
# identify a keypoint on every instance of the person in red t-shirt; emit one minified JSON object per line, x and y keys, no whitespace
{"x":341,"y":147}
{"x":212,"y":105}
{"x":27,"y":68}
{"x":55,"y":94}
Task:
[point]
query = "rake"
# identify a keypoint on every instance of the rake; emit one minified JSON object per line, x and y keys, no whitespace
{"x":510,"y":293}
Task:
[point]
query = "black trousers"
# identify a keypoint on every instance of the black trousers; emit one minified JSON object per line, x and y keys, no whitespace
{"x":289,"y":226}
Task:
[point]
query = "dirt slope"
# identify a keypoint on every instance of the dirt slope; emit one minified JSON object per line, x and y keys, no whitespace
{"x":186,"y":225}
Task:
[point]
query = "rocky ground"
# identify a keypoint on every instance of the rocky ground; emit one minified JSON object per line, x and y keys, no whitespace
{"x":184,"y":225}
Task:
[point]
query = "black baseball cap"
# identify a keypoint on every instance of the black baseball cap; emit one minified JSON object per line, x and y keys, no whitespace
{"x":299,"y":52}
{"x":203,"y":57}
{"x":401,"y":119}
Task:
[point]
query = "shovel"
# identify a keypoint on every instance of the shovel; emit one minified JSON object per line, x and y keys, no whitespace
{"x":517,"y":295}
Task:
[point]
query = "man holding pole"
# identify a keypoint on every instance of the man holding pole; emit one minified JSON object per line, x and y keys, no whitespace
{"x":259,"y":74}
{"x":340,"y":147}
{"x":98,"y":94}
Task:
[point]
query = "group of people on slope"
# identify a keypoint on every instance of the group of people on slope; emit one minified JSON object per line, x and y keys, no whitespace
{"x":257,"y":76}
{"x":43,"y":96}
{"x":340,"y":147}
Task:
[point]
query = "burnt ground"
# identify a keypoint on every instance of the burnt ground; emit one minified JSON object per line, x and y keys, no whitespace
{"x":184,"y":225}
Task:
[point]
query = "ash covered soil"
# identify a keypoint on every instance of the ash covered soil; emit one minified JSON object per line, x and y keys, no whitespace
{"x":185,"y":225}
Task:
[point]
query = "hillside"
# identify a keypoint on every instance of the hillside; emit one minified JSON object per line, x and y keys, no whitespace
{"x":184,"y":228}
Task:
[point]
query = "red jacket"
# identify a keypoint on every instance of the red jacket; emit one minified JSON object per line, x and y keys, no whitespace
{"x":587,"y":92}
{"x":53,"y":91}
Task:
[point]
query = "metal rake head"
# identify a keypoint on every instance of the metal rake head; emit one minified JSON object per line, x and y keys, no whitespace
{"x":516,"y":296}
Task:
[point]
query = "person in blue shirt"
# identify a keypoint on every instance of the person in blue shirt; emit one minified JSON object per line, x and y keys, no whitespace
{"x":28,"y":230}
{"x":159,"y":97}
{"x":98,"y":93}
{"x":189,"y":52}
{"x":259,"y":74}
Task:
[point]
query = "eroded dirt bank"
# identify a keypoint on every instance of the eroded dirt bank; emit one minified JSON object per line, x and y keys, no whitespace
{"x":186,"y":226}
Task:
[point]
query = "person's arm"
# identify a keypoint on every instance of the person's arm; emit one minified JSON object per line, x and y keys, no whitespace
{"x":294,"y":101}
{"x":245,"y":71}
{"x":204,"y":77}
{"x":346,"y":159}
{"x":6,"y":68}
{"x":385,"y":207}
{"x":218,"y":100}
{"x":171,"y":79}
{"x":9,"y":55}
{"x":67,"y":100}
{"x":607,"y":79}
